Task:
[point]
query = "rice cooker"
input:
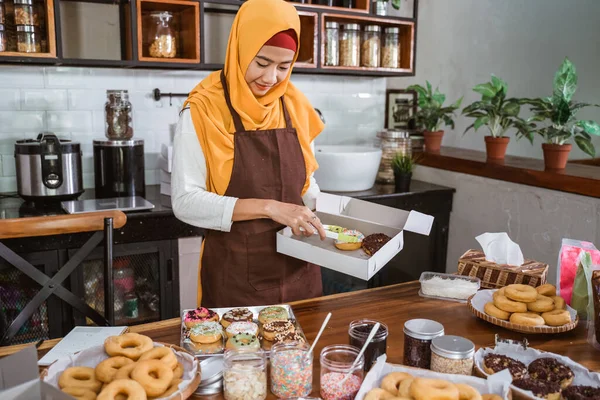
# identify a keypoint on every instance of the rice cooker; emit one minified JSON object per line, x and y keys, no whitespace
{"x":48,"y":168}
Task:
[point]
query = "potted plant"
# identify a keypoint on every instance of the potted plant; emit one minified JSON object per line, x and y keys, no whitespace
{"x":499,"y":114}
{"x":560,"y":111}
{"x":432,"y":114}
{"x":403,"y":166}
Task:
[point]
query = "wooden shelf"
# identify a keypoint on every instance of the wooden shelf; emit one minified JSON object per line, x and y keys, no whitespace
{"x":50,"y":35}
{"x":309,"y":39}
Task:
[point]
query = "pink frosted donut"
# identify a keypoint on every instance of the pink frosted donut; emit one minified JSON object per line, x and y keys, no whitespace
{"x":198,"y":316}
{"x":350,"y":246}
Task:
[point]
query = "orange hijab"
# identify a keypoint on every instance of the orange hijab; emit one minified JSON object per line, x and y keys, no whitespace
{"x":255,"y":23}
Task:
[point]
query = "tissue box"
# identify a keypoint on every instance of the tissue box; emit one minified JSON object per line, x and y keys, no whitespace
{"x":495,"y":276}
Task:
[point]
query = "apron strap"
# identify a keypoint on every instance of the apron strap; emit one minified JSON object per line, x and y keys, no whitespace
{"x":237,"y":121}
{"x":286,"y":114}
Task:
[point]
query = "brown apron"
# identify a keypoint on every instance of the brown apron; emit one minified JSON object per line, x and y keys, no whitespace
{"x":242,"y":267}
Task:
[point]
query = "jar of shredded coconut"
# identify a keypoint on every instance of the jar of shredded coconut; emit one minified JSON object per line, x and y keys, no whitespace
{"x":245,"y":375}
{"x":448,"y":286}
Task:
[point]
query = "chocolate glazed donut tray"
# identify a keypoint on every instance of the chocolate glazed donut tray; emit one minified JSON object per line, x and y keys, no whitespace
{"x":218,"y":348}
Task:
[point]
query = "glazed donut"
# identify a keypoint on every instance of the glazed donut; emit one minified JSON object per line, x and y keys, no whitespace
{"x":178,"y":371}
{"x":491,"y":396}
{"x":80,"y":393}
{"x":172,"y":388}
{"x":270,"y":329}
{"x":241,"y":327}
{"x":164,"y":354}
{"x":438,"y":389}
{"x":505,"y":304}
{"x":499,"y":292}
{"x":556,"y":317}
{"x":79,"y":377}
{"x":466,"y":392}
{"x":206,"y":332}
{"x":559,"y":303}
{"x":491,"y":309}
{"x":198,"y":315}
{"x":274,"y":313}
{"x":379,"y":394}
{"x":546,"y":289}
{"x":522,"y":293}
{"x":391,"y":382}
{"x":129,"y":388}
{"x":527,"y":319}
{"x":548,"y":369}
{"x":346,"y":246}
{"x":124,"y":372}
{"x":243,"y":341}
{"x":107,"y":369}
{"x":131,"y":345}
{"x":236,"y":315}
{"x":154,"y":376}
{"x":542,"y":304}
{"x":404,"y":389}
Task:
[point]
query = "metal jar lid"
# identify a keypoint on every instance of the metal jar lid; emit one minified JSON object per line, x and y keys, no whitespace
{"x":332,"y":25}
{"x":372,"y":28}
{"x":453,"y":347}
{"x":1,"y":25}
{"x":25,"y":2}
{"x":27,"y":28}
{"x":394,"y":134}
{"x":392,"y":30}
{"x":424,"y":329}
{"x":212,"y":371}
{"x":352,"y":27}
{"x":118,"y":143}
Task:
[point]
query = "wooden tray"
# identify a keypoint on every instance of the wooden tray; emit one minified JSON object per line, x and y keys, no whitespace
{"x":184,"y":393}
{"x":521,"y":328}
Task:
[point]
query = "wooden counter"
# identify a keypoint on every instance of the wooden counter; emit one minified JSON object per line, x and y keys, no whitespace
{"x":392,"y":305}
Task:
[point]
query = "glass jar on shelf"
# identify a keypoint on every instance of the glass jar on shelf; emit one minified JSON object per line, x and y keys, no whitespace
{"x":3,"y":42}
{"x":39,"y":15}
{"x":370,"y":46}
{"x":28,"y":39}
{"x":336,"y":363}
{"x":350,"y":45}
{"x":118,"y":115}
{"x":162,"y":42}
{"x":332,"y":44}
{"x":2,"y":13}
{"x":291,"y":370}
{"x":245,"y":375}
{"x":24,"y":12}
{"x":380,"y":7}
{"x":390,"y":54}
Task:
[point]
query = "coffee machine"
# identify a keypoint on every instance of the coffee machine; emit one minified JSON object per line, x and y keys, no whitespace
{"x":119,"y":161}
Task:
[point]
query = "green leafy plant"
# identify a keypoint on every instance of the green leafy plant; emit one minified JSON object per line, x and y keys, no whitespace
{"x":560,"y":111}
{"x":431,"y":112}
{"x":497,"y":112}
{"x":403,"y":164}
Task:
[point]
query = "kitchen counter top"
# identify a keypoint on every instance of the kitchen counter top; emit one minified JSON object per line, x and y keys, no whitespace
{"x":392,"y":305}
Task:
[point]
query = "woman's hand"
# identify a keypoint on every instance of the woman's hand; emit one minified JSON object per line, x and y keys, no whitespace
{"x":295,"y":217}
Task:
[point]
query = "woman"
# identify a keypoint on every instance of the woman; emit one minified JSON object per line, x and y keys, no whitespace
{"x":243,"y":164}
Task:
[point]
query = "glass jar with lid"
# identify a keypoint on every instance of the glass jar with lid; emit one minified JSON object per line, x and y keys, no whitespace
{"x":390,"y":53}
{"x":418,"y":334}
{"x":392,"y":143}
{"x":452,"y":355}
{"x":2,"y":13}
{"x":359,"y":332}
{"x":380,"y":7}
{"x":24,"y":12}
{"x":291,"y":370}
{"x":371,"y":45}
{"x":162,"y":42}
{"x":118,"y":115}
{"x":3,"y":42}
{"x":28,"y":39}
{"x":350,"y":45}
{"x":336,"y":363}
{"x":245,"y":375}
{"x":332,"y":43}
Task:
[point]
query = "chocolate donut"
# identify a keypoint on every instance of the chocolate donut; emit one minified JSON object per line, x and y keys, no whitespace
{"x":494,"y":363}
{"x":546,"y":390}
{"x":548,"y":369}
{"x":373,"y":243}
{"x":288,"y":337}
{"x":581,"y":393}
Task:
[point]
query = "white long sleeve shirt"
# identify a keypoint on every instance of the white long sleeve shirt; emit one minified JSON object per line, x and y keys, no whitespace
{"x":192,"y":203}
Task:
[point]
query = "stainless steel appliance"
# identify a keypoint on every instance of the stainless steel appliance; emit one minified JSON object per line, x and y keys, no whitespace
{"x":116,"y":203}
{"x":48,"y":168}
{"x":119,"y":168}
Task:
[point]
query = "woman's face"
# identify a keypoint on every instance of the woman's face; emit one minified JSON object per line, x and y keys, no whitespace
{"x":270,"y":66}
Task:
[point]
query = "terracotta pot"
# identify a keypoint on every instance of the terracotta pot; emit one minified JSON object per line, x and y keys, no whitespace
{"x":496,"y":147}
{"x":556,"y":155}
{"x":433,"y":141}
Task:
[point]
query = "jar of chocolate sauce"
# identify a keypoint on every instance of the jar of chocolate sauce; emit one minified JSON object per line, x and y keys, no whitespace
{"x":359,"y":331}
{"x":418,"y":334}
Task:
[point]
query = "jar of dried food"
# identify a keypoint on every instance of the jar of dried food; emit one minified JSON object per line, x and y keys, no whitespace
{"x":350,"y":45}
{"x":336,"y":363}
{"x":24,"y":12}
{"x":39,"y":14}
{"x":291,"y":370}
{"x":332,"y":43}
{"x":370,"y":46}
{"x":380,"y":7}
{"x":2,"y":13}
{"x":118,"y":115}
{"x":3,"y":43}
{"x":418,"y":334}
{"x":452,"y":355}
{"x":244,"y":375}
{"x":390,"y":54}
{"x":28,"y":39}
{"x":161,"y":36}
{"x":392,"y":142}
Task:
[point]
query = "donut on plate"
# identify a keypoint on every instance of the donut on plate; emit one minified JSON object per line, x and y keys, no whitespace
{"x":545,"y":390}
{"x":349,"y":246}
{"x":80,"y":377}
{"x":493,"y":363}
{"x":521,"y":293}
{"x":243,"y":341}
{"x":131,"y":345}
{"x":236,"y":315}
{"x":576,"y":392}
{"x":198,"y":315}
{"x":548,"y":369}
{"x":273,"y":328}
{"x":273,"y":313}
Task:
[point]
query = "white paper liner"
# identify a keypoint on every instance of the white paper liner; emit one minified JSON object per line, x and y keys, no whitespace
{"x":486,"y":296}
{"x":583,"y":376}
{"x":498,"y":384}
{"x":94,"y":355}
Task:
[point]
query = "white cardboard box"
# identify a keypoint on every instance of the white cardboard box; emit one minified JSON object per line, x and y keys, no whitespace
{"x":165,"y":188}
{"x":165,"y":176}
{"x":167,"y":152}
{"x":364,"y":216}
{"x":164,"y":164}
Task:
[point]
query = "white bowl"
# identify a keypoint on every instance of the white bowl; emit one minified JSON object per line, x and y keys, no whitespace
{"x":347,"y":168}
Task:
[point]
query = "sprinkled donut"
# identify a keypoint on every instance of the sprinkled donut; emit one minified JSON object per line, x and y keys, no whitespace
{"x":242,"y":327}
{"x":236,"y":315}
{"x":545,"y":390}
{"x":199,"y":315}
{"x":274,"y":327}
{"x":548,"y":369}
{"x":493,"y":363}
{"x":349,"y":246}
{"x":243,"y":341}
{"x":206,"y":332}
{"x":581,"y":393}
{"x":273,"y":313}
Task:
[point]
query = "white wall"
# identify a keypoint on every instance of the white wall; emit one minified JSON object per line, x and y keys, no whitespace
{"x":461,"y":42}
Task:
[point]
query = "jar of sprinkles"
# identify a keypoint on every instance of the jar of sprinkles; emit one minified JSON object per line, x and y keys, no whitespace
{"x":336,"y":363}
{"x":418,"y":334}
{"x":291,"y":370}
{"x":452,"y":355}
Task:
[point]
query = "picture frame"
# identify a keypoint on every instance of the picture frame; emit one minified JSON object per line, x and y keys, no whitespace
{"x":400,"y":108}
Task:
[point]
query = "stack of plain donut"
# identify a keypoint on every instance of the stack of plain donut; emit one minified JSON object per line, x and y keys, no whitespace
{"x":403,"y":386}
{"x":135,"y":370}
{"x":529,"y":306}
